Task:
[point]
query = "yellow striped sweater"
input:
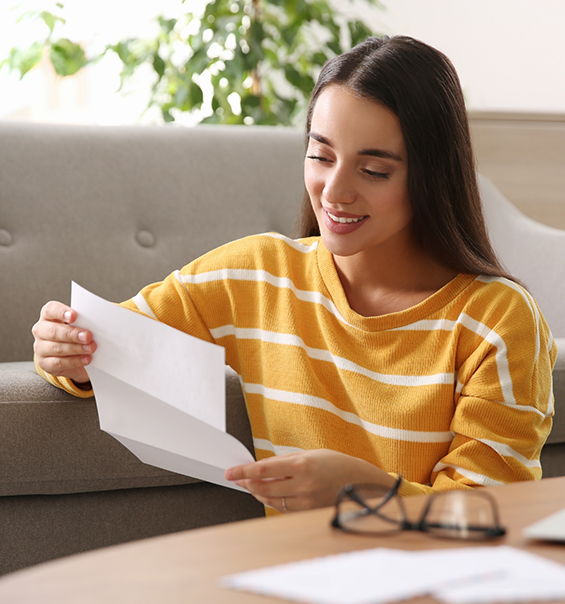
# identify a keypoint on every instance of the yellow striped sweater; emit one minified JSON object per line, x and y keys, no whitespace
{"x":451,"y":393}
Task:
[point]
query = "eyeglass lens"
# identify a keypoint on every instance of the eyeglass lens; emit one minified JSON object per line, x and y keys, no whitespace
{"x":364,"y":509}
{"x":461,"y":515}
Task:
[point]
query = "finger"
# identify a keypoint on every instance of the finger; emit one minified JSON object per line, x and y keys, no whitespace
{"x":58,"y":332}
{"x":71,"y":367}
{"x":48,"y":348}
{"x":285,"y":504}
{"x":289,"y":504}
{"x":57,"y":311}
{"x":270,"y":488}
{"x":271,"y":467}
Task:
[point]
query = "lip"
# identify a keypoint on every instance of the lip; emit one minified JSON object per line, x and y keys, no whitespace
{"x":342,"y":228}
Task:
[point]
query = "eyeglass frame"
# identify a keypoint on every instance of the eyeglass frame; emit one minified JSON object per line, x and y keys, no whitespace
{"x":404,"y":524}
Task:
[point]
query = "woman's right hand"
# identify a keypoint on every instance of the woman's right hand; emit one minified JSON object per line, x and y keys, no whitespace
{"x":62,"y":349}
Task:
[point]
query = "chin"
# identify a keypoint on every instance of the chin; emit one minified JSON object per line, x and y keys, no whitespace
{"x":338,"y":247}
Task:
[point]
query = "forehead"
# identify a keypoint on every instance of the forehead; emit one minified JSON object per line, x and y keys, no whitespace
{"x":346,"y":119}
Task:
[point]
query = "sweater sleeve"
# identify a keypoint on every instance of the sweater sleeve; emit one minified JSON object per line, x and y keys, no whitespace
{"x":63,"y":383}
{"x":503,"y":401}
{"x":167,"y":302}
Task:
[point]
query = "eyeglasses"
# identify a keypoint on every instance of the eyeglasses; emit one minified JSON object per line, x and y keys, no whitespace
{"x":372,"y":509}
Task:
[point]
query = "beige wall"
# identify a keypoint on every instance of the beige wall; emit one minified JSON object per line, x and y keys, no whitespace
{"x":524,"y":156}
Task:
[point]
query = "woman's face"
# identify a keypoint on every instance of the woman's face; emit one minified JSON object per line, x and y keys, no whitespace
{"x":356,"y":174}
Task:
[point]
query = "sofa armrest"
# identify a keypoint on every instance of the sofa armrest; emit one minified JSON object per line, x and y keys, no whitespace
{"x":52,"y":443}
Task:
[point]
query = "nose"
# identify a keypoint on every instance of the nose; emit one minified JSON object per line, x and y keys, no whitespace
{"x":339,"y":187}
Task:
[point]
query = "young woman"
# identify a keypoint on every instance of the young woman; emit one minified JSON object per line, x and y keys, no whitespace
{"x":388,"y":340}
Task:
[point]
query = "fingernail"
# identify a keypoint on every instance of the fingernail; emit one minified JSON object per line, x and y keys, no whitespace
{"x":229,"y":474}
{"x":82,"y":336}
{"x":87,"y":348}
{"x":85,"y":360}
{"x":67,"y":316}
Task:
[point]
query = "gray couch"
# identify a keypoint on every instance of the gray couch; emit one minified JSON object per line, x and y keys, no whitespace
{"x":115,"y":208}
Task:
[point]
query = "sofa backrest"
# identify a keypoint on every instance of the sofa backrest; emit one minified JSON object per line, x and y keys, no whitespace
{"x":531,"y":251}
{"x":116,"y":208}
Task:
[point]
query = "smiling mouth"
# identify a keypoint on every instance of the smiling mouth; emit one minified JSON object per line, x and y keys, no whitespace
{"x":343,"y":220}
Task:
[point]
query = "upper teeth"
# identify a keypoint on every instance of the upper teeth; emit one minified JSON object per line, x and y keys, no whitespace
{"x":344,"y":220}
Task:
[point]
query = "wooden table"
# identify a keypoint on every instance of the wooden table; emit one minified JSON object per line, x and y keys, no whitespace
{"x":186,"y":567}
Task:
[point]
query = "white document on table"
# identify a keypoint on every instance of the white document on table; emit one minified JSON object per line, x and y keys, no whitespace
{"x":159,"y":391}
{"x":465,"y":575}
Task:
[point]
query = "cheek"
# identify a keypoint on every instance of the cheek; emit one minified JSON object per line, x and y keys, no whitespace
{"x":396,"y":200}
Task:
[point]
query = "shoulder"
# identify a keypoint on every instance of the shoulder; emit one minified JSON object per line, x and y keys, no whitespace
{"x":500,"y":299}
{"x":271,"y":252}
{"x":504,"y":309}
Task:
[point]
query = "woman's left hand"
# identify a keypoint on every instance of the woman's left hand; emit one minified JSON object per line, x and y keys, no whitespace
{"x":304,"y":480}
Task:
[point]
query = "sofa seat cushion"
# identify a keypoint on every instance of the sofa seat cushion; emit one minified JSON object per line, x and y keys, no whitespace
{"x":52,"y":443}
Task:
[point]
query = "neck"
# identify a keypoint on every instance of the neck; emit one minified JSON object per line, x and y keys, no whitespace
{"x":381,"y":281}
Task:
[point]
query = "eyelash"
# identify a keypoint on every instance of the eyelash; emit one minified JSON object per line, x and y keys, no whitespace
{"x":377,"y":175}
{"x":370,"y":173}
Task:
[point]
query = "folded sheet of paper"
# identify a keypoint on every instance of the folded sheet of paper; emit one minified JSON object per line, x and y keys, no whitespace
{"x":159,"y":391}
{"x":467,"y":575}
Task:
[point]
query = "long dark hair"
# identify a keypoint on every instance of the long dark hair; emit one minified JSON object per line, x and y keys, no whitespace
{"x":420,"y":85}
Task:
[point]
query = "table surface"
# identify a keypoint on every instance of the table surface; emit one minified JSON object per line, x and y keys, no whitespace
{"x":186,"y":567}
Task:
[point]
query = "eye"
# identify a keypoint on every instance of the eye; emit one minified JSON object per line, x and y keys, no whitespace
{"x":318,"y":158}
{"x":376,"y":175}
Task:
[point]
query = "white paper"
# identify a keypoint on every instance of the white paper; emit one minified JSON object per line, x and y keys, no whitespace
{"x":371,"y":576}
{"x":521,"y":577}
{"x":159,"y":391}
{"x":466,"y":575}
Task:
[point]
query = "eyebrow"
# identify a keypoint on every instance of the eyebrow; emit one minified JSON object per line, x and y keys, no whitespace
{"x":381,"y":153}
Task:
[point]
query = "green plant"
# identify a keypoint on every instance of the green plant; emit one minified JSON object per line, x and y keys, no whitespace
{"x":66,"y":56}
{"x":226,"y":61}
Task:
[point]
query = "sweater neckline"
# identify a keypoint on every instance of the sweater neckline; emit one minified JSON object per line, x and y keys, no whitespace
{"x":420,"y":311}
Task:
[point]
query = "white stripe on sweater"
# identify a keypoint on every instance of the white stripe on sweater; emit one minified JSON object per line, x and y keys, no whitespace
{"x":260,"y":276}
{"x":479,"y":479}
{"x":319,"y":354}
{"x":296,"y":398}
{"x":297,"y":245}
{"x":142,"y":305}
{"x":488,"y":334}
{"x":527,"y":297}
{"x":507,"y":451}
{"x":267,"y":445}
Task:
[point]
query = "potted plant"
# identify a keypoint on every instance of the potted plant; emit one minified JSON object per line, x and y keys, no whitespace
{"x":224,"y":61}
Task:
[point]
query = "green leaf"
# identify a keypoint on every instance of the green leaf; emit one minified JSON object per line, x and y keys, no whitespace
{"x":335,"y":47}
{"x":167,"y":25}
{"x":196,"y":95}
{"x":319,"y":58}
{"x":159,"y":65}
{"x":257,"y":33}
{"x":167,"y":115}
{"x":301,"y":81}
{"x":212,"y":119}
{"x":198,"y":62}
{"x":67,"y":57}
{"x":24,"y":60}
{"x":49,"y":20}
{"x":122,"y":49}
{"x":358,"y":31}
